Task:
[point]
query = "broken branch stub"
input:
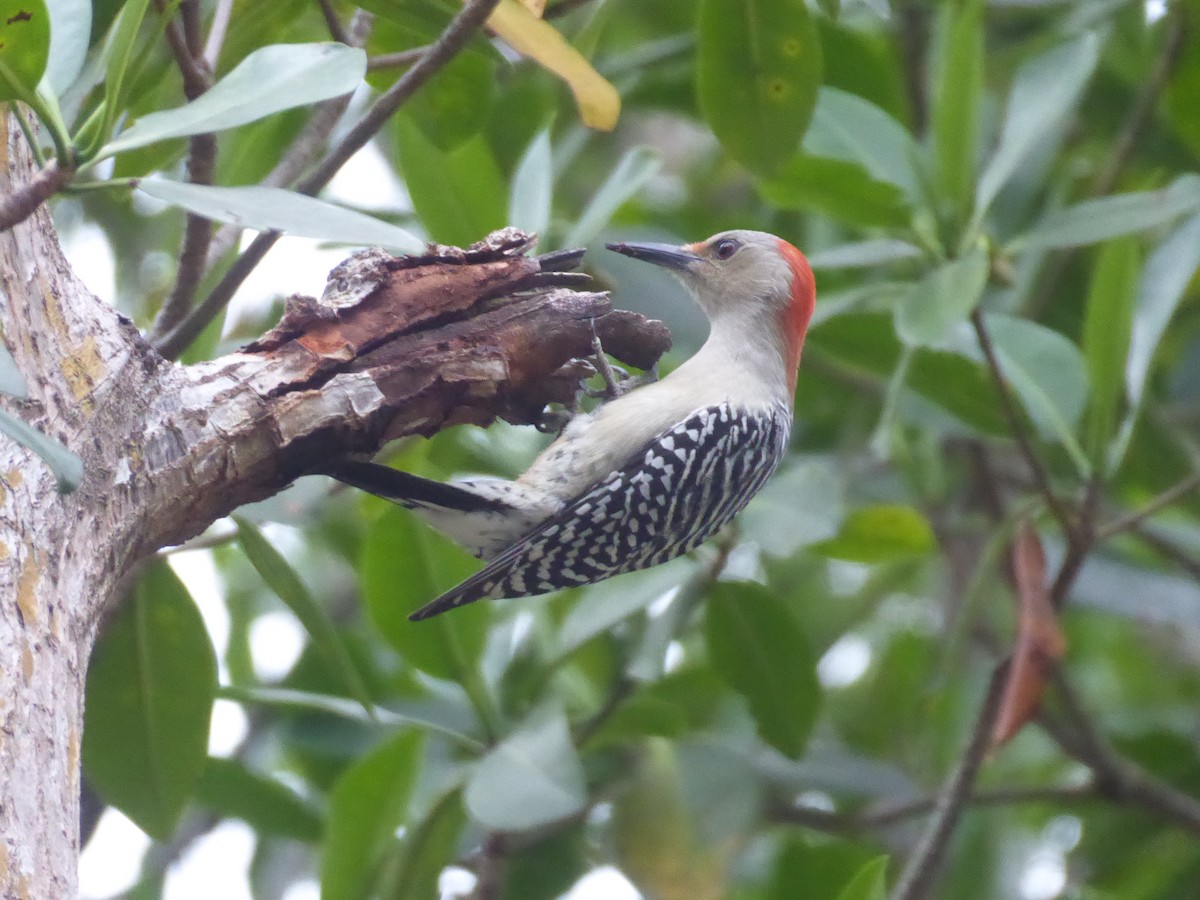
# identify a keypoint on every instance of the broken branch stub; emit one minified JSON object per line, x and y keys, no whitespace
{"x":457,"y":336}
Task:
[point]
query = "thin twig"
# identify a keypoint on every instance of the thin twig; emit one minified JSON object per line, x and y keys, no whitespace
{"x":452,"y":40}
{"x":396,"y":60}
{"x":185,"y":42}
{"x":891,"y":814}
{"x":1164,"y":547}
{"x":1017,"y":425}
{"x":489,"y":868}
{"x":1162,"y":501}
{"x":333,"y":23}
{"x":925,"y":863}
{"x":19,"y":206}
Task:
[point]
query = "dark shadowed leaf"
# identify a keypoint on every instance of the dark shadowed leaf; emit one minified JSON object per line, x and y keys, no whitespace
{"x":276,"y":209}
{"x":839,"y":189}
{"x":24,"y":47}
{"x":368,"y":803}
{"x":756,"y":645}
{"x":758,"y":67}
{"x":459,"y":196}
{"x":150,"y":691}
{"x":455,"y":103}
{"x":231,"y":790}
{"x":281,"y":578}
{"x":1045,"y":89}
{"x":404,"y":566}
{"x":428,"y":847}
{"x":532,"y":778}
{"x":267,"y":81}
{"x":880,"y":533}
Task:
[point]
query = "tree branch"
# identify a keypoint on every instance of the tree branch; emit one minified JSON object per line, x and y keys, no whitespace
{"x":1016,"y":424}
{"x":448,"y":45}
{"x":19,"y":205}
{"x":925,"y":863}
{"x":1162,"y":501}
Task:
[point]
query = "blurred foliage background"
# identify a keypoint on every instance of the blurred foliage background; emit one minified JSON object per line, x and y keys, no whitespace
{"x":1002,"y":205}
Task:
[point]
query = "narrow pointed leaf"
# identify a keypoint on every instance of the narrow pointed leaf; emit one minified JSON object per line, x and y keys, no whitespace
{"x":863,"y":254}
{"x":957,"y":92}
{"x":150,"y":691}
{"x":24,"y":47}
{"x":281,"y":578}
{"x":276,"y":209}
{"x":66,"y":466}
{"x":1108,"y":217}
{"x":267,"y":81}
{"x":882,"y":533}
{"x":756,"y":645}
{"x":869,"y":884}
{"x":532,"y":189}
{"x":840,"y":189}
{"x":367,"y":805}
{"x":1045,"y":90}
{"x":758,"y":67}
{"x":12,"y":381}
{"x":1106,"y":330}
{"x":231,"y":790}
{"x":931,"y":311}
{"x":629,"y":176}
{"x":531,"y":779}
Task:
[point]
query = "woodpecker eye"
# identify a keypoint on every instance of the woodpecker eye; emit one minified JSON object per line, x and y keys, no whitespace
{"x":725,"y":248}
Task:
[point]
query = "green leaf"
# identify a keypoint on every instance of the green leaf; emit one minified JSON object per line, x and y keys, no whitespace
{"x":455,"y":103}
{"x":636,"y":167}
{"x":957,"y":92}
{"x":428,"y":847}
{"x":531,"y":779}
{"x":803,"y":505}
{"x":66,"y":466}
{"x":1107,"y":327}
{"x":756,"y":645}
{"x":1109,"y":217}
{"x":1047,"y":372}
{"x":281,"y":578}
{"x":12,"y":381}
{"x":1044,"y":90}
{"x":267,"y":81}
{"x":758,"y":67}
{"x":932,"y":310}
{"x":231,"y":790}
{"x":850,"y":128}
{"x":532,"y":193}
{"x":869,"y":884}
{"x":367,"y":805}
{"x":404,"y":566}
{"x":459,"y":196}
{"x":276,"y":209}
{"x":1165,"y":277}
{"x":150,"y":690}
{"x":840,"y":189}
{"x":864,"y":254}
{"x":70,"y":33}
{"x":119,"y":48}
{"x":882,"y":533}
{"x":24,"y":47}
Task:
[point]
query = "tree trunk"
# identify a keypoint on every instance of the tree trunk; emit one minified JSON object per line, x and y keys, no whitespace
{"x":394,"y":347}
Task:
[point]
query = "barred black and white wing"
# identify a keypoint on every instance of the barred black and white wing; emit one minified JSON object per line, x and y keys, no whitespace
{"x":674,"y":494}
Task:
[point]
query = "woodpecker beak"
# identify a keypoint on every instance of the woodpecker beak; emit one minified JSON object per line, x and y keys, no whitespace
{"x":667,"y":255}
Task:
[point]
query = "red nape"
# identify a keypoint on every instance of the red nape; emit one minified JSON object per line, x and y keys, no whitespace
{"x":804,"y":297}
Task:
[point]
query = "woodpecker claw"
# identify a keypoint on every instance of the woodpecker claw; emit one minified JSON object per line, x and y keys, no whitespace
{"x":613,"y":388}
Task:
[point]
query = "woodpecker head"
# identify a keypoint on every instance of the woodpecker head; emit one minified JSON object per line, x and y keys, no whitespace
{"x":760,"y":279}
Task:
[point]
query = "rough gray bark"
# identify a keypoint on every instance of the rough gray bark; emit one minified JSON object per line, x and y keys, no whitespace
{"x":394,"y":347}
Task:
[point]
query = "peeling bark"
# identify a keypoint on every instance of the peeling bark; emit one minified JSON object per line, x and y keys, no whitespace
{"x":393,"y":347}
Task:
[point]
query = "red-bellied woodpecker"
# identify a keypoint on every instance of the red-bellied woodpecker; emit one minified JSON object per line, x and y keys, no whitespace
{"x":652,"y":474}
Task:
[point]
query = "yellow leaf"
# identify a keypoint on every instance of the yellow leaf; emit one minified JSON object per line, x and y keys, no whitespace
{"x":599,"y":103}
